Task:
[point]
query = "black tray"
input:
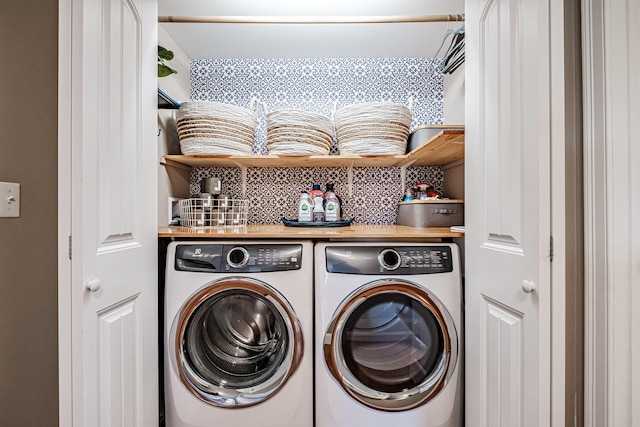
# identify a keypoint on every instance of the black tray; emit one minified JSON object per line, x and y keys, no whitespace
{"x":294,"y":223}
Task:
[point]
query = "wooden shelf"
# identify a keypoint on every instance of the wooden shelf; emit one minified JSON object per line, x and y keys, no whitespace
{"x":279,"y":231}
{"x":444,"y":148}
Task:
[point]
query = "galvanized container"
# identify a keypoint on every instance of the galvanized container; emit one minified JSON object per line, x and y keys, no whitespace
{"x":423,"y":134}
{"x":431,"y":213}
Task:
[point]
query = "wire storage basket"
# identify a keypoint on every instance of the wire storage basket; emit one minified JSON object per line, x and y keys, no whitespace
{"x":298,"y":133}
{"x":214,"y":212}
{"x":214,"y":128}
{"x":373,"y":128}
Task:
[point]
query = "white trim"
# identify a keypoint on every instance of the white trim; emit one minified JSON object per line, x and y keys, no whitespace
{"x":596,"y":384}
{"x":70,"y":348}
{"x":621,"y":65}
{"x":557,"y":375}
{"x":65,"y":361}
{"x":611,"y":64}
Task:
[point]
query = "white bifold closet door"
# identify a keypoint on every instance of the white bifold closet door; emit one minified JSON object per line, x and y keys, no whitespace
{"x":511,"y":90}
{"x":109,"y":353}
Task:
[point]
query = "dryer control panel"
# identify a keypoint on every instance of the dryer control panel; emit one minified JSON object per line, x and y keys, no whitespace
{"x":383,"y":260}
{"x":208,"y":258}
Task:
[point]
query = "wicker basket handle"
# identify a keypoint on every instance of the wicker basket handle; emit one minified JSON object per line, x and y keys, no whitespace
{"x":334,"y":107}
{"x":264,"y":108}
{"x":253,"y":104}
{"x":411,"y":104}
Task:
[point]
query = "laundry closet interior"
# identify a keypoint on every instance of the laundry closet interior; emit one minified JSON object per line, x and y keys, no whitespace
{"x":314,"y":67}
{"x":312,"y":56}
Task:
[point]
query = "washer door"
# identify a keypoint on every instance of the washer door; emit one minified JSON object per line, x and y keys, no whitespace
{"x":391,"y":345}
{"x":236,"y":342}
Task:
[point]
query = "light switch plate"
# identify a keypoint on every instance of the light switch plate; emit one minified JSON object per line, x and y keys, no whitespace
{"x":9,"y":200}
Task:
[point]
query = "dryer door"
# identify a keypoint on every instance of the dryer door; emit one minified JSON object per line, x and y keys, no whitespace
{"x":236,"y":342}
{"x":391,"y":345}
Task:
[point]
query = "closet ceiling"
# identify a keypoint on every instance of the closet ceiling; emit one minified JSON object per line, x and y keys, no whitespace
{"x":325,"y":40}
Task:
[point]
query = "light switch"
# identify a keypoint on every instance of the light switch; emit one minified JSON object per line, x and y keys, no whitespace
{"x":9,"y":200}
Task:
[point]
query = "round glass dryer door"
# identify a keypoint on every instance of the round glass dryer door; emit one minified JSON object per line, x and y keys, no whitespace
{"x":236,"y":342}
{"x":391,"y":345}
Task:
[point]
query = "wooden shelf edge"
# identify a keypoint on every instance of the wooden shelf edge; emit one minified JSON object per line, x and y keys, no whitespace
{"x":272,"y":161}
{"x":278,"y":231}
{"x":444,"y":148}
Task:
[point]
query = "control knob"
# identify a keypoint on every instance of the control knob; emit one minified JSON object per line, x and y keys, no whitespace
{"x":238,"y":257}
{"x":389,"y":259}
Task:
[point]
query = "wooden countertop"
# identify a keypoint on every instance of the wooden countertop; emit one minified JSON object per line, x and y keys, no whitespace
{"x":279,"y":231}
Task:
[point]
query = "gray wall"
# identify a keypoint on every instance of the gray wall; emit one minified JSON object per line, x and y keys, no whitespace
{"x":28,"y":245}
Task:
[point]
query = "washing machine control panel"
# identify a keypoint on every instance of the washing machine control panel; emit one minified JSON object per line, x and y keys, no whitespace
{"x":250,"y":258}
{"x":382,"y":260}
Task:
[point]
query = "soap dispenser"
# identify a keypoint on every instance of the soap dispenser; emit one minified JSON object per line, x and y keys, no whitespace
{"x":331,"y":204}
{"x":305,"y":208}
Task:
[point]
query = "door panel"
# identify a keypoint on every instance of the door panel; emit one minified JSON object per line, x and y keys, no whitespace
{"x":113,"y":212}
{"x":120,"y":356}
{"x":503,"y":331}
{"x":500,"y":112}
{"x":508,"y":210}
{"x":119,"y":124}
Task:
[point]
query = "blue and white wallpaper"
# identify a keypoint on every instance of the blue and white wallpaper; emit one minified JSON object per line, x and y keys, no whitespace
{"x":315,"y":85}
{"x":275,"y":192}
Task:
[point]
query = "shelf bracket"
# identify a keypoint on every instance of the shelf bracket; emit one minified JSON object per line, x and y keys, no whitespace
{"x":350,"y":179}
{"x":243,"y":174}
{"x":174,"y":164}
{"x":403,"y":176}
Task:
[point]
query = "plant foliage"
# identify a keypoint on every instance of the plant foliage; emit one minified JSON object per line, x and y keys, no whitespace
{"x":164,"y":55}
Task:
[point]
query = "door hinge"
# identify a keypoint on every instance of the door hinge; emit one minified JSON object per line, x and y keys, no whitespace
{"x":69,"y":247}
{"x":551,"y":249}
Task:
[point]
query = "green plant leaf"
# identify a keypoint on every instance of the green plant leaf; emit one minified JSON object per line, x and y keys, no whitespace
{"x":164,"y":71}
{"x":165,"y":54}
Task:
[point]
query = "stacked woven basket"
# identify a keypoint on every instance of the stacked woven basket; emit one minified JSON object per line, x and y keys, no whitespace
{"x":298,"y":133}
{"x":373,"y":129}
{"x":367,"y":129}
{"x":213,"y":128}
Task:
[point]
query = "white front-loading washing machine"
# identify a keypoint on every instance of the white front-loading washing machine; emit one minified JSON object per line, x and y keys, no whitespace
{"x":388,"y":335}
{"x":238,"y":328}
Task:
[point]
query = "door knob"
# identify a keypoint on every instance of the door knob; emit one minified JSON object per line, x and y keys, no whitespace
{"x":528,"y":286}
{"x":93,"y":285}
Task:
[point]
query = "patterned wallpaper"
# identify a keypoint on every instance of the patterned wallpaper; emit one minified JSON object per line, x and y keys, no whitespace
{"x":315,"y":85}
{"x":275,"y":192}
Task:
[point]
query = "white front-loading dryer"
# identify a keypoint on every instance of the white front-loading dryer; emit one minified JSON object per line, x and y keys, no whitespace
{"x":238,"y":325}
{"x":388,"y":335}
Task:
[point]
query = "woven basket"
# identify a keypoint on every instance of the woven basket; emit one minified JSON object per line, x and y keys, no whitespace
{"x":373,"y":129}
{"x":298,"y":133}
{"x":206,"y":128}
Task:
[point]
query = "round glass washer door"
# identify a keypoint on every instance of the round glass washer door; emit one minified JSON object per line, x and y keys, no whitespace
{"x":391,"y":345}
{"x":236,"y":342}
